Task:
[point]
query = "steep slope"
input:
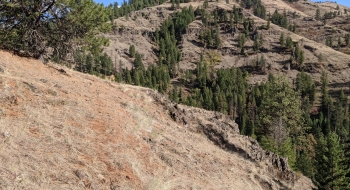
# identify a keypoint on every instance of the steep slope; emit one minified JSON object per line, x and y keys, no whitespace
{"x":60,"y":129}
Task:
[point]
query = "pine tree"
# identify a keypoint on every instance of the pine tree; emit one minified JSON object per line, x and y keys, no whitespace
{"x":346,"y":162}
{"x":132,"y":51}
{"x":340,"y":120}
{"x":128,"y":79}
{"x":306,"y":87}
{"x":347,"y":39}
{"x":256,"y":45}
{"x":329,"y":41}
{"x":330,"y":171}
{"x":205,"y":4}
{"x":241,"y":41}
{"x":217,"y":39}
{"x":318,"y":14}
{"x":33,"y":27}
{"x":279,"y":113}
{"x":289,"y":43}
{"x":90,"y":64}
{"x":339,"y":42}
{"x":282,"y":40}
{"x":326,"y":103}
{"x":304,"y":164}
{"x":138,"y":65}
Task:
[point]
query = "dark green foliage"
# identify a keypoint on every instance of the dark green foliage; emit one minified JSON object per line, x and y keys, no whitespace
{"x":289,"y":43}
{"x":306,"y":87}
{"x":347,"y":39}
{"x":346,"y":161}
{"x":268,"y":24}
{"x":299,"y":56}
{"x":132,"y":51}
{"x":339,"y":42}
{"x":282,"y":40}
{"x":218,"y":93}
{"x":318,"y":14}
{"x":93,"y":64}
{"x":156,"y":77}
{"x":340,"y":117}
{"x":205,"y":4}
{"x":326,"y":105}
{"x":32,"y":27}
{"x":251,"y":3}
{"x":260,"y":10}
{"x":329,"y":163}
{"x":256,"y":43}
{"x":329,"y":15}
{"x":304,"y":164}
{"x":280,"y":117}
{"x":241,"y":41}
{"x":281,"y":20}
{"x":138,"y":65}
{"x":169,"y":34}
{"x":217,"y":38}
{"x":329,"y":41}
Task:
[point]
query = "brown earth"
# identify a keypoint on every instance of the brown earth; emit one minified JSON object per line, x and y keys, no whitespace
{"x":60,"y":129}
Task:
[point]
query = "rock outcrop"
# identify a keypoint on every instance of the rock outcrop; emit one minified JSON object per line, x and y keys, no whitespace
{"x":224,"y":133}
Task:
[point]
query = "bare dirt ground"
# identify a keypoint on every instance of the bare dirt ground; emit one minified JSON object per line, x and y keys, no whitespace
{"x":60,"y":129}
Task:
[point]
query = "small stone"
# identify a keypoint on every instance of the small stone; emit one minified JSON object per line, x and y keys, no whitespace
{"x":7,"y":134}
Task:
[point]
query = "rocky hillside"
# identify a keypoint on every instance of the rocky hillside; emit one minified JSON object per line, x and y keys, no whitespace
{"x":60,"y":129}
{"x":310,"y":35}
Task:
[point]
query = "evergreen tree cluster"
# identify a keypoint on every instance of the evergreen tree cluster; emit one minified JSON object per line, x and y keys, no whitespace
{"x":278,"y":116}
{"x":330,"y":15}
{"x":94,"y":64}
{"x":210,"y":37}
{"x":297,"y":54}
{"x":169,"y":34}
{"x":279,"y":19}
{"x":116,"y":10}
{"x":260,"y":10}
{"x":155,"y":77}
{"x":282,"y":20}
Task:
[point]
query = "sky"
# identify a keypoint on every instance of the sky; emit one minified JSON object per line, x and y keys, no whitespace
{"x":342,"y":2}
{"x":107,"y":2}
